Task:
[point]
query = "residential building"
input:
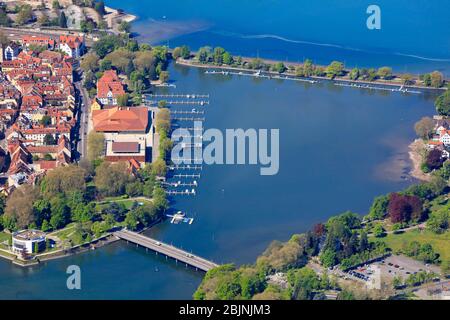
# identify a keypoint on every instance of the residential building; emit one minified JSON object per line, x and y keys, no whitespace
{"x":109,"y":88}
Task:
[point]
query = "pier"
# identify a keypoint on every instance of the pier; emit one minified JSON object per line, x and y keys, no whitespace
{"x":180,"y":175}
{"x":183,"y":96}
{"x":188,"y":119}
{"x":375,"y":87}
{"x":261,"y":75}
{"x":181,"y":184}
{"x":193,"y":111}
{"x":167,"y":250}
{"x":179,"y":102}
{"x":186,"y":167}
{"x":181,"y":193}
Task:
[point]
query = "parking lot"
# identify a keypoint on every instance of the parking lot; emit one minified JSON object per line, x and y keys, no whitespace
{"x":390,"y":267}
{"x":402,"y":266}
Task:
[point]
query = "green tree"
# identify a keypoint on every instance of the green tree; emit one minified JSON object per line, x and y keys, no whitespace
{"x":328,"y":258}
{"x":131,"y":221}
{"x":56,"y":5}
{"x":397,"y":282}
{"x":304,"y":282}
{"x":134,"y":189}
{"x":385,"y":73}
{"x":24,"y":15}
{"x":354,"y":74}
{"x":2,"y":203}
{"x":63,"y":181}
{"x":363,"y":242}
{"x":19,"y":207}
{"x":308,"y":68}
{"x":45,"y":226}
{"x":407,"y":78}
{"x":124,"y":26}
{"x":424,"y":128}
{"x":99,"y":6}
{"x":227,"y":58}
{"x":95,"y":145}
{"x":442,"y":104}
{"x":335,"y":69}
{"x":89,"y":62}
{"x":43,"y":19}
{"x":111,"y":178}
{"x":164,"y":76}
{"x":159,"y":167}
{"x":279,"y":67}
{"x":159,"y":199}
{"x":60,"y":213}
{"x":218,"y":55}
{"x":49,"y":139}
{"x":439,"y":220}
{"x":436,"y":79}
{"x":204,"y":54}
{"x":62,"y":20}
{"x":185,"y":52}
{"x":46,"y":121}
{"x":378,"y":231}
{"x":379,"y":207}
{"x":123,"y":100}
{"x":4,"y":19}
{"x":426,"y":78}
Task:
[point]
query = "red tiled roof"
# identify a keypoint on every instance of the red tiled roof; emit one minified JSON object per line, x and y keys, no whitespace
{"x":120,"y":119}
{"x":46,"y":164}
{"x":109,"y":82}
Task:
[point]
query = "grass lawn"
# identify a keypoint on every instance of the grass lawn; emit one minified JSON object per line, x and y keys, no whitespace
{"x":62,"y":234}
{"x":440,"y":242}
{"x":128,"y":203}
{"x":4,"y":236}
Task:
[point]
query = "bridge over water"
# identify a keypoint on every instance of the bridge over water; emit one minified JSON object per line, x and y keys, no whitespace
{"x":166,"y":249}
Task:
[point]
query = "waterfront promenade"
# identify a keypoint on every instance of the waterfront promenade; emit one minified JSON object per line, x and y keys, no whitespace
{"x":166,"y":249}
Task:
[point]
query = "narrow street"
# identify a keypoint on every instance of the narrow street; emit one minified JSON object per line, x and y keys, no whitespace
{"x":83,"y":116}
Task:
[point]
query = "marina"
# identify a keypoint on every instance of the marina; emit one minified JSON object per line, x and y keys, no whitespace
{"x":185,"y":167}
{"x":180,"y":175}
{"x":259,"y":74}
{"x":188,"y":119}
{"x":193,"y":111}
{"x":181,"y":184}
{"x":402,"y":88}
{"x":186,"y":192}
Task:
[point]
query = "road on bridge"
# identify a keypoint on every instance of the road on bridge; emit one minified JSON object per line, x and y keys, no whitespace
{"x":166,"y":249}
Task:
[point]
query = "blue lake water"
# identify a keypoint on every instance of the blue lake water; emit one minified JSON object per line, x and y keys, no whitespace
{"x":339,"y":147}
{"x":414,"y":35}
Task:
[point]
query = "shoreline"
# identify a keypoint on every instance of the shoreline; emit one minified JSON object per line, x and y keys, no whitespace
{"x":60,"y":253}
{"x":416,"y":159}
{"x":112,"y":15}
{"x":63,"y":253}
{"x":190,"y":63}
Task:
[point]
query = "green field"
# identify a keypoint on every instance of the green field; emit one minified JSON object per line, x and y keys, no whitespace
{"x":440,"y":242}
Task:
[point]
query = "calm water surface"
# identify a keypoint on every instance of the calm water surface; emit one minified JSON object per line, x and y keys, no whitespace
{"x":414,"y":35}
{"x":339,"y":147}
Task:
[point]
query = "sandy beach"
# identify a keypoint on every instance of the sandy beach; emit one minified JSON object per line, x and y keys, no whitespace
{"x":416,"y":158}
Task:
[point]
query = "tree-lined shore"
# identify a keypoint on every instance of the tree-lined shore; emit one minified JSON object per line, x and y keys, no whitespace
{"x":218,"y":57}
